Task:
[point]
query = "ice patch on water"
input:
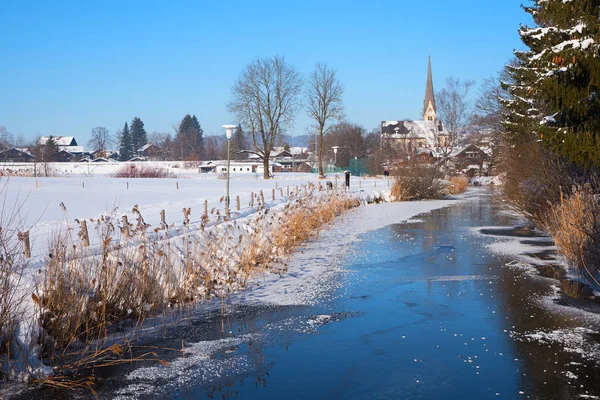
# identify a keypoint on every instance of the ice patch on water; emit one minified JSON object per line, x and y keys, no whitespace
{"x":199,"y":364}
{"x":573,"y":340}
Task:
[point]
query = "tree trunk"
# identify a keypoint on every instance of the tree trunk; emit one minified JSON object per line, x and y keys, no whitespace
{"x":320,"y":154}
{"x":266,"y":174}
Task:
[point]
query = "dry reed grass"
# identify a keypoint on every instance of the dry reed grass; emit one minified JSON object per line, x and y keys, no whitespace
{"x":133,"y":273}
{"x":574,"y":224}
{"x":458,"y":184}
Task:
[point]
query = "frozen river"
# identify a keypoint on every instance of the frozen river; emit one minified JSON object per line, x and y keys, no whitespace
{"x":425,"y":309}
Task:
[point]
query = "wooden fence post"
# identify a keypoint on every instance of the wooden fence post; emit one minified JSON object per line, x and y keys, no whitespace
{"x":163,"y":219}
{"x":177,"y":185}
{"x":206,"y":208}
{"x":262,"y":197}
{"x":276,"y":186}
{"x":237,"y":200}
{"x":252,"y":199}
{"x":273,"y":194}
{"x":288,"y":191}
{"x":281,"y":192}
{"x":84,"y":234}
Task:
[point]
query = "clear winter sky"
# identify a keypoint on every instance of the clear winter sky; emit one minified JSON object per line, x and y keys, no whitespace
{"x":68,"y":66}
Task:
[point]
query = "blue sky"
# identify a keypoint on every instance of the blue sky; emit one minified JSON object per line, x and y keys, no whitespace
{"x":68,"y":66}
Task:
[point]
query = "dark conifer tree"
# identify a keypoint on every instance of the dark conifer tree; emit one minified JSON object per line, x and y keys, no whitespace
{"x":190,"y":138}
{"x":126,"y":145}
{"x":555,"y":95}
{"x":138,"y":134}
{"x":199,"y":142}
{"x":238,"y":143}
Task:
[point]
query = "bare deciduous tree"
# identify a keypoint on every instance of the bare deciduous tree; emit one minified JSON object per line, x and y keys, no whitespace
{"x":100,"y":139}
{"x":265,"y":99}
{"x":350,"y":138}
{"x":454,"y":109}
{"x":324,"y":103}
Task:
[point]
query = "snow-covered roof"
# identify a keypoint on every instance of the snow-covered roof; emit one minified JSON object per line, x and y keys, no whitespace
{"x":73,"y":149}
{"x":59,"y":140}
{"x":428,"y":130}
{"x":144,"y":147}
{"x":293,"y":150}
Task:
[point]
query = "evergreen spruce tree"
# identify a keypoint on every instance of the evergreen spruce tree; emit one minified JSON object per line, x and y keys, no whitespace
{"x":138,"y":134}
{"x":190,"y":140}
{"x":238,"y":143}
{"x":126,"y":145}
{"x":555,"y":94}
{"x":199,"y":137}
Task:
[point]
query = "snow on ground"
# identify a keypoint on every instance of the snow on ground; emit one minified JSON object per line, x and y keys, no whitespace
{"x":92,"y":196}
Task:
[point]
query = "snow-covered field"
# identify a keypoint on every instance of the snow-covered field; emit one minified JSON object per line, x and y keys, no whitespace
{"x":92,"y":195}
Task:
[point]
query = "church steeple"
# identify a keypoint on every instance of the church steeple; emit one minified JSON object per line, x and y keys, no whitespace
{"x":429,"y":112}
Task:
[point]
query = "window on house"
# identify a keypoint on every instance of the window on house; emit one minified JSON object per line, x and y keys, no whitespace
{"x":247,"y":169}
{"x":234,"y":170}
{"x":471,"y":154}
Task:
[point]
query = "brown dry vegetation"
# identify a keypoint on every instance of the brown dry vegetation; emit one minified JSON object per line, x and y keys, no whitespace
{"x":142,"y":171}
{"x":418,"y":182}
{"x":458,"y":184}
{"x":12,"y":297}
{"x":574,"y":224}
{"x":134,"y":272}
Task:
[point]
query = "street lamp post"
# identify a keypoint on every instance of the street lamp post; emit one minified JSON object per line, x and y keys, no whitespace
{"x":335,"y":150}
{"x":228,"y":133}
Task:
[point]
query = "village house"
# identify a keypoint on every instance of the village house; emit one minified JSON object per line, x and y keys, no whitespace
{"x":239,"y":167}
{"x":150,"y":152}
{"x":16,"y":155}
{"x":471,"y":160}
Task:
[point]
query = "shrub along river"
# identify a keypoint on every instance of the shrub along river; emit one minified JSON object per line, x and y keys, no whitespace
{"x":424,"y":309}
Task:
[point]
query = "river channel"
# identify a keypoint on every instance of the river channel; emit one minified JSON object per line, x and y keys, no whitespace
{"x":425,"y":309}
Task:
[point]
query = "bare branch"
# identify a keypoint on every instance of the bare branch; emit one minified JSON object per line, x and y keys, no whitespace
{"x":325,"y":105}
{"x":265,"y":98}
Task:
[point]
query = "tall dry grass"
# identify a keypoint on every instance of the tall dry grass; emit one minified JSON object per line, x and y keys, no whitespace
{"x":134,"y":272}
{"x":458,"y":184}
{"x":13,"y":293}
{"x":574,"y":224}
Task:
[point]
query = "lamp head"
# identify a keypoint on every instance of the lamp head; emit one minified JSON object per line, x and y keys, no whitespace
{"x":229,"y":130}
{"x":335,"y":149}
